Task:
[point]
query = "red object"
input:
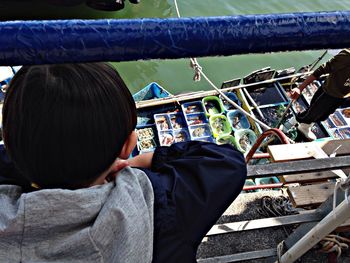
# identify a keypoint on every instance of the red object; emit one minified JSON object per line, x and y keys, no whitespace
{"x":262,"y":186}
{"x":273,"y":131}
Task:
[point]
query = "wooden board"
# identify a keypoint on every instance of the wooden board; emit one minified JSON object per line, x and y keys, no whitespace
{"x":298,"y":151}
{"x":295,"y":167}
{"x":313,"y":194}
{"x":303,"y":178}
{"x":307,"y":216}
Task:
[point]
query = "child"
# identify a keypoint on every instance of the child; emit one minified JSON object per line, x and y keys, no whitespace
{"x":69,"y":130}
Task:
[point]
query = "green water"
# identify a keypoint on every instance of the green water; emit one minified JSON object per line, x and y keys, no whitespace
{"x":176,"y":75}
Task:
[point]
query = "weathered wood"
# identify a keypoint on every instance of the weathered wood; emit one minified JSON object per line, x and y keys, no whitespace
{"x":308,"y":177}
{"x":309,"y":216}
{"x":239,"y":257}
{"x":298,"y":151}
{"x":313,"y":194}
{"x":295,"y":167}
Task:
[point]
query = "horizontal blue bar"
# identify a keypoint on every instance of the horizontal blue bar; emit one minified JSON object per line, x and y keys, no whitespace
{"x":63,"y":41}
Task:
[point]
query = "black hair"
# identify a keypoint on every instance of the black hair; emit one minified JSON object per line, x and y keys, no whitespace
{"x":63,"y":125}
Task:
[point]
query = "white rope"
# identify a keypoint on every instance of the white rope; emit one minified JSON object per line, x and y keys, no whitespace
{"x":199,"y":71}
{"x":177,"y":9}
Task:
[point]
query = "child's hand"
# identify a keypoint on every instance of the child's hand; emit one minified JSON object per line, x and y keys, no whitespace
{"x":118,"y":165}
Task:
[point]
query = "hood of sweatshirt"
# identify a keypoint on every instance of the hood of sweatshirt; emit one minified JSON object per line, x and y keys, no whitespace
{"x":106,"y":223}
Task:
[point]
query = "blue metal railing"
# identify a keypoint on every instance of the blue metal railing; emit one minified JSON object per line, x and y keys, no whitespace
{"x":60,"y":41}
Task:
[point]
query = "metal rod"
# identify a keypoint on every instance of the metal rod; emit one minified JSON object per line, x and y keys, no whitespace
{"x":334,"y":219}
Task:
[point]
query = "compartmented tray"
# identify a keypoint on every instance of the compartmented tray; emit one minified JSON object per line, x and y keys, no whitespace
{"x":196,"y":118}
{"x":245,"y":139}
{"x":228,"y":106}
{"x":237,"y":120}
{"x":192,"y":107}
{"x":219,"y":125}
{"x":212,"y":105}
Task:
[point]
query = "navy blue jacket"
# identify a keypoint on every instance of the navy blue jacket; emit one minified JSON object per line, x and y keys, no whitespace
{"x":193,"y":183}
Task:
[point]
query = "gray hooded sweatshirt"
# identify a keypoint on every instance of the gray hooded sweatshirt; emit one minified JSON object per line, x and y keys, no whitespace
{"x":106,"y":223}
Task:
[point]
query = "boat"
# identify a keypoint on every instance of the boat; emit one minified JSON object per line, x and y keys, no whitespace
{"x":207,"y":116}
{"x":101,"y":5}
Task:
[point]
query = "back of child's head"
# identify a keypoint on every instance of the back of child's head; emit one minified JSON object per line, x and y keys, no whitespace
{"x":63,"y":125}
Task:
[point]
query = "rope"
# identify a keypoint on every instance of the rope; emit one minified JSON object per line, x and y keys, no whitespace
{"x":334,"y":243}
{"x":197,"y":69}
{"x":199,"y":72}
{"x":276,"y":206}
{"x":280,"y":249}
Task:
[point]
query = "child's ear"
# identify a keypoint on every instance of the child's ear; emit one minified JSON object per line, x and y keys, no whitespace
{"x":128,"y":146}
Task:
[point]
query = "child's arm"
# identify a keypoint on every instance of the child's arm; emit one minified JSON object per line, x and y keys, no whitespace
{"x":143,"y":160}
{"x":193,"y":184}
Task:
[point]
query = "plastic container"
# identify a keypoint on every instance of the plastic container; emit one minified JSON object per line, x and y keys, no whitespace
{"x":177,"y":121}
{"x":228,"y":106}
{"x":267,"y":180}
{"x":344,"y":132}
{"x":196,"y":119}
{"x":219,"y":125}
{"x":145,"y":133}
{"x":166,"y":138}
{"x":212,"y":105}
{"x":249,"y":182}
{"x":181,"y":135}
{"x":337,"y":120}
{"x":162,"y":121}
{"x":146,"y":145}
{"x":241,"y":123}
{"x":245,"y":139}
{"x":345,"y":114}
{"x":226,"y":139}
{"x":199,"y":131}
{"x":192,"y":107}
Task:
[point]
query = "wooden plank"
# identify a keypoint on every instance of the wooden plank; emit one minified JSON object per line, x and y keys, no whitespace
{"x":309,"y":216}
{"x":298,"y":151}
{"x":308,"y":177}
{"x":313,"y":194}
{"x":239,"y":257}
{"x":295,"y":167}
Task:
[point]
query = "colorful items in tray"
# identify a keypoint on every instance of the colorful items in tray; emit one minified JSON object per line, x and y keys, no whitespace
{"x":144,"y":133}
{"x":227,"y":105}
{"x":344,"y":132}
{"x":166,"y":138}
{"x":346,"y":112}
{"x":162,"y":122}
{"x":219,"y":125}
{"x":226,"y":139}
{"x":202,"y":130}
{"x":212,"y":105}
{"x":335,"y":120}
{"x":177,"y":121}
{"x":146,"y":145}
{"x":181,"y":136}
{"x":192,"y":107}
{"x":195,"y":119}
{"x":238,"y":120}
{"x":245,"y":139}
